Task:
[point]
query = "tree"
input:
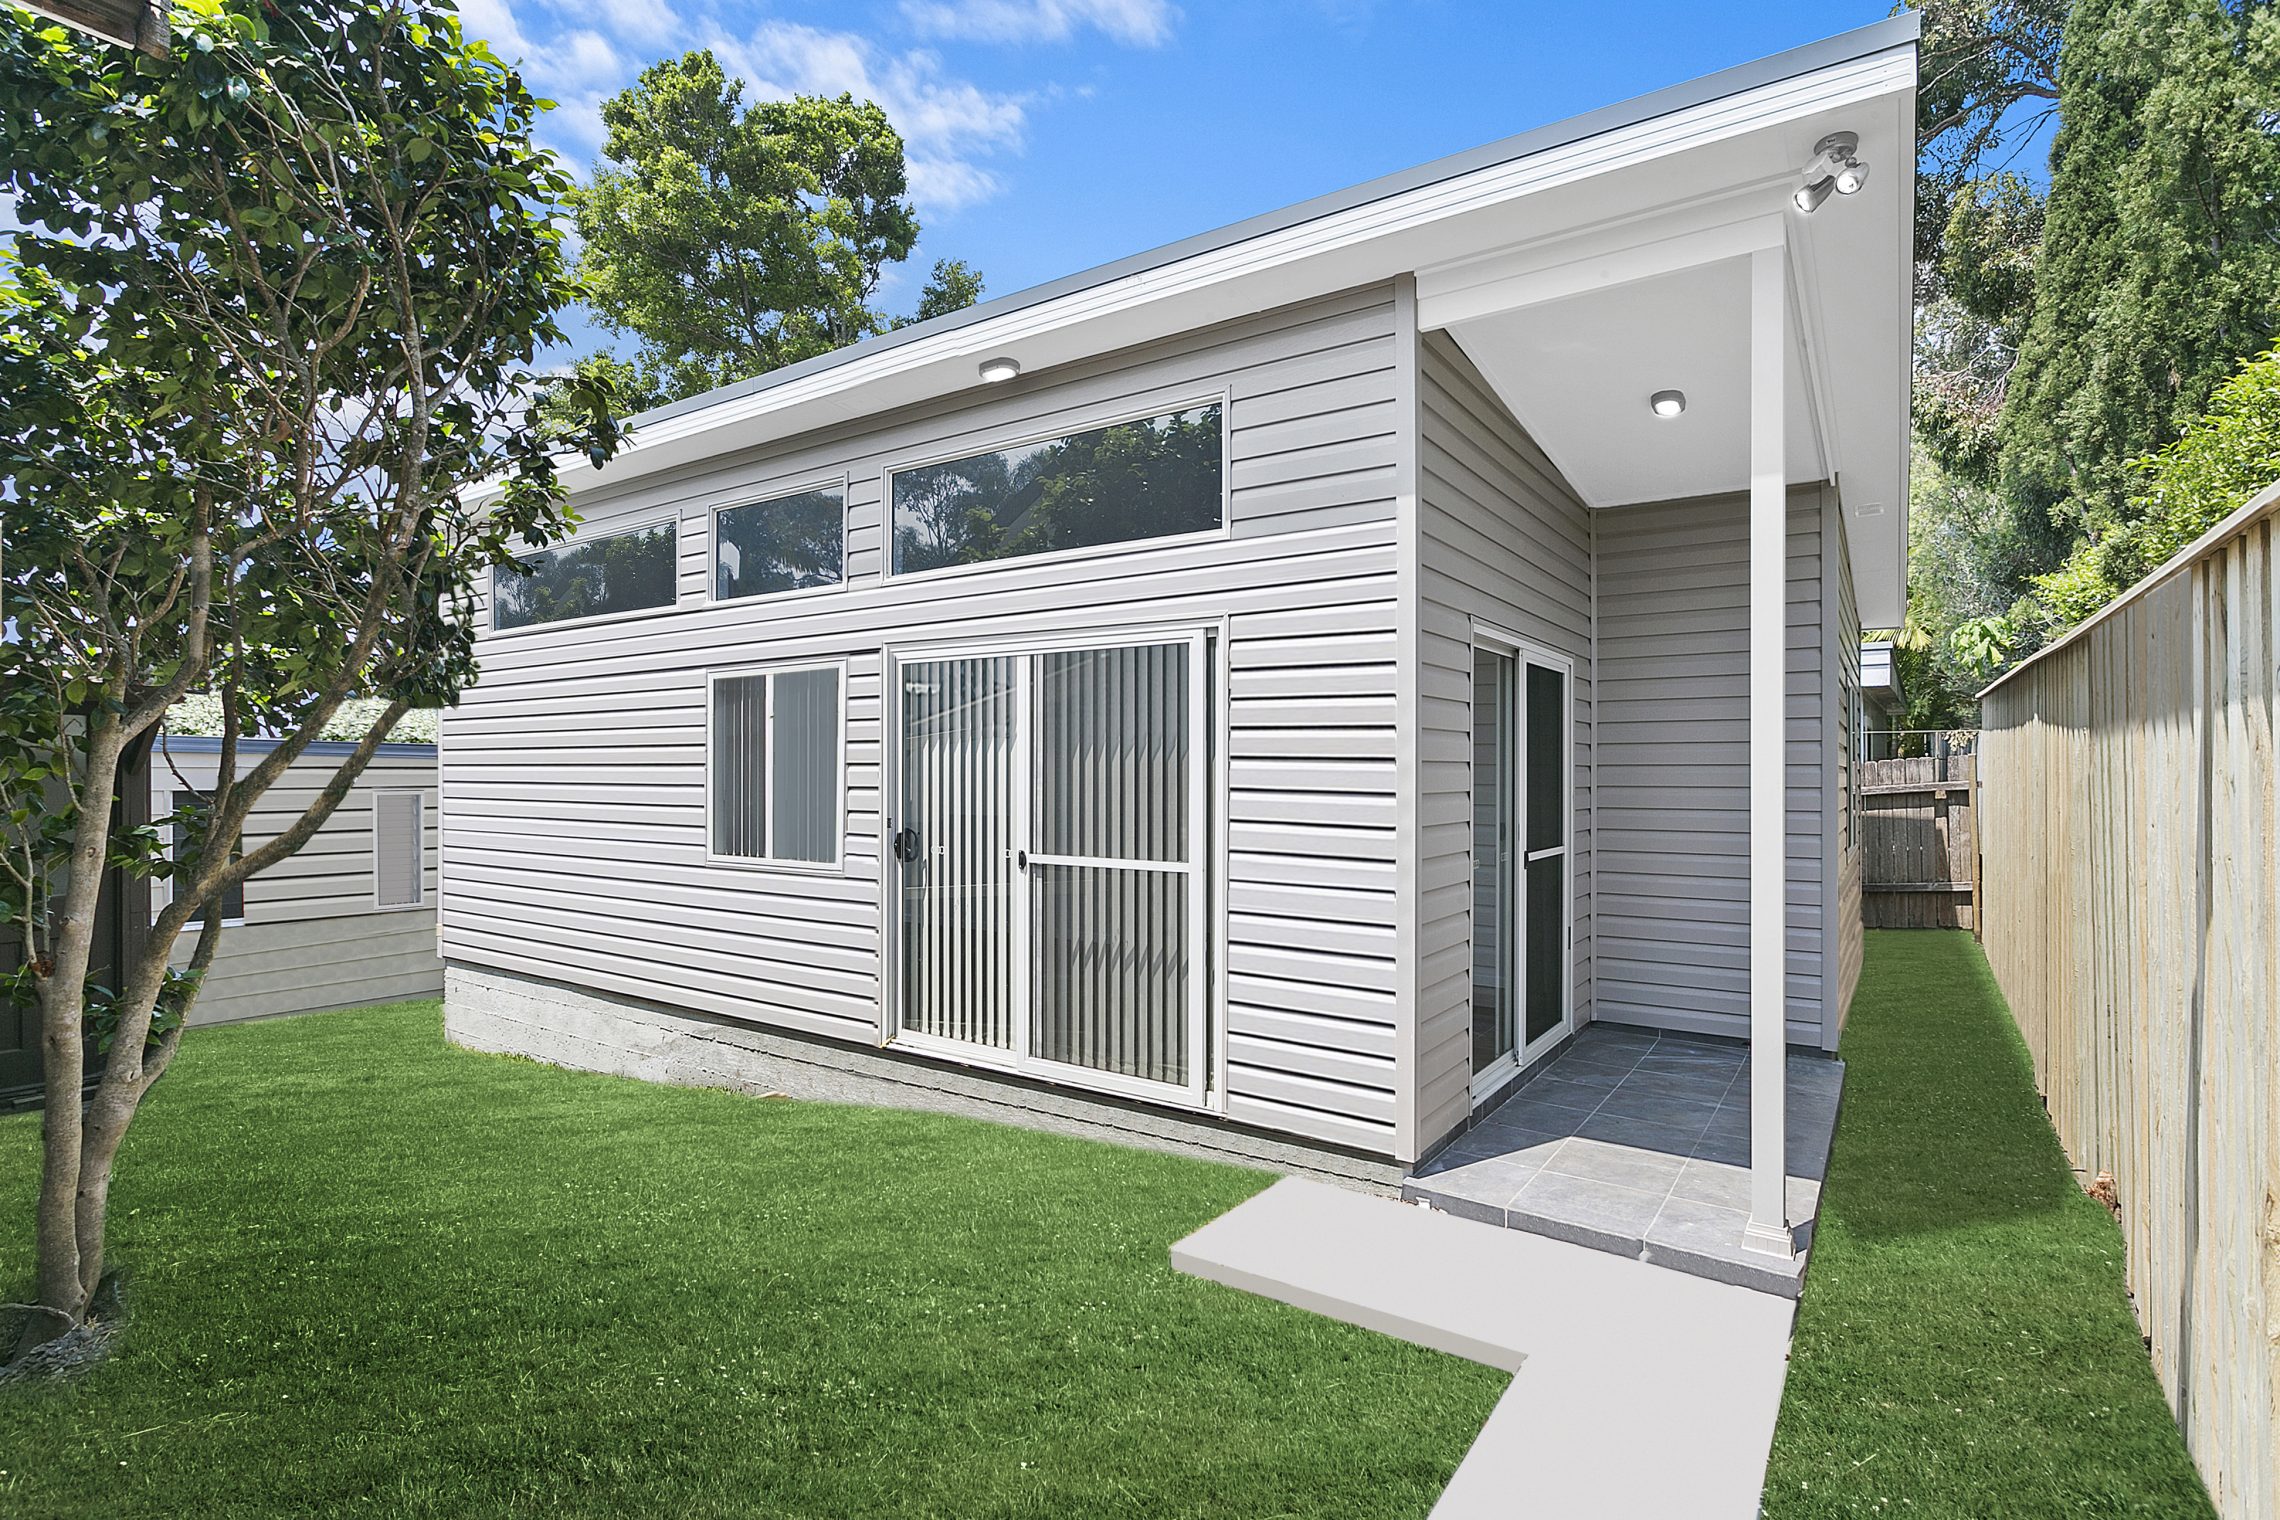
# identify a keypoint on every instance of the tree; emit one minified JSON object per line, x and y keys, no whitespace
{"x":953,"y":286}
{"x":1987,"y":84}
{"x":2181,"y":492}
{"x":730,"y":240}
{"x":2160,"y":270}
{"x":266,"y":326}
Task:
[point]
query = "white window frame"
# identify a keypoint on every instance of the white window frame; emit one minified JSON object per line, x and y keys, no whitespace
{"x":418,"y":794}
{"x":1205,"y":1089}
{"x":983,"y":443}
{"x":491,"y":628}
{"x":843,"y":483}
{"x":837,"y":865}
{"x":162,"y":892}
{"x":1488,"y":1083}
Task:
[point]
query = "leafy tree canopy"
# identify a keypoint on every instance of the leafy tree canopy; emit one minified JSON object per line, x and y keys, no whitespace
{"x":2182,"y":491}
{"x":730,"y":239}
{"x":268,"y":322}
{"x":2160,"y":269}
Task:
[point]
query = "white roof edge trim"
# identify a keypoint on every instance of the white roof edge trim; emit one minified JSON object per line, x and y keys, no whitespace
{"x":1849,"y":82}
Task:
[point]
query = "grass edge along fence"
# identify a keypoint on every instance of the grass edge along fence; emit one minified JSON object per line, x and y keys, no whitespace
{"x":2132,"y":918}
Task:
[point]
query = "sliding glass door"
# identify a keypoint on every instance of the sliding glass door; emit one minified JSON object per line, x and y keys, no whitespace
{"x":1049,"y":849}
{"x":1522,"y":817}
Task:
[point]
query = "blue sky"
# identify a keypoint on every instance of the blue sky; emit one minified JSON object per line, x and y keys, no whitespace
{"x":1048,"y":135}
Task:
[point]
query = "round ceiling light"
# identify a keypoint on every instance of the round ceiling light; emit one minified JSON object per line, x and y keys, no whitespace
{"x":1667,"y":403}
{"x":999,"y":370}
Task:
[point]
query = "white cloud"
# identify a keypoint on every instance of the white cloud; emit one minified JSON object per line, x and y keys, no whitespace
{"x":946,"y":123}
{"x":582,"y":60}
{"x":1140,"y":23}
{"x":494,"y":22}
{"x":651,"y":23}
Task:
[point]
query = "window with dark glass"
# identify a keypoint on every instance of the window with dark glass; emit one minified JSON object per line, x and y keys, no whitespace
{"x":1150,"y":478}
{"x":787,"y":543}
{"x":626,"y":571}
{"x":233,"y":900}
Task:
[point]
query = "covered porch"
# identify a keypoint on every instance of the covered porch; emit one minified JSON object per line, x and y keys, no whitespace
{"x":1703,"y":375}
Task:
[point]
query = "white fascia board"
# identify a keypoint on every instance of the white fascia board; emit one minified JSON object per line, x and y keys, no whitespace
{"x":1360,"y":245}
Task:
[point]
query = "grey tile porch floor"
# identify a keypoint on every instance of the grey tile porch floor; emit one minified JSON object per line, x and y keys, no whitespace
{"x":1638,"y":1143}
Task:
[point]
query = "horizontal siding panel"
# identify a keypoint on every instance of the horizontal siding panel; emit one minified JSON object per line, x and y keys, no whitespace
{"x":576,"y":846}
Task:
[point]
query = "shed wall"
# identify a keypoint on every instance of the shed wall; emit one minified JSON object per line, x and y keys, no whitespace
{"x":313,"y":936}
{"x":574,"y":772}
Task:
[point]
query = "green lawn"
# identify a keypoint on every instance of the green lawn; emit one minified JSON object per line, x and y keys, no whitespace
{"x":1964,"y":1347}
{"x":373,"y":1274}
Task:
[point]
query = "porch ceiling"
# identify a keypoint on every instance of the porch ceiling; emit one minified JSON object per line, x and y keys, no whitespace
{"x":1578,"y":374}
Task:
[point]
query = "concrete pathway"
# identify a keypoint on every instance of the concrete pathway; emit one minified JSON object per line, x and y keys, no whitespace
{"x":1637,"y":1390}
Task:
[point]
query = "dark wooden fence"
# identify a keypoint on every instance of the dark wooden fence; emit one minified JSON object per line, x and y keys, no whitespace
{"x":1920,"y":842}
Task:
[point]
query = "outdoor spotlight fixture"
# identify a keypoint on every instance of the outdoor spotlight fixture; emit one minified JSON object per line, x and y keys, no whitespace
{"x":1835,"y":169}
{"x":999,"y":370}
{"x":1667,"y":403}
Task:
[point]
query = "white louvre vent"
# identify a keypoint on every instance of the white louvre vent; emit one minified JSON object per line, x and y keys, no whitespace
{"x":397,"y":824}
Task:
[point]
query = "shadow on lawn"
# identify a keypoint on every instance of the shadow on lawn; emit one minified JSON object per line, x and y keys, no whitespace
{"x":1941,"y":1126}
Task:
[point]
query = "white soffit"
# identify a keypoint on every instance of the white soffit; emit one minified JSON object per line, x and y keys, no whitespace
{"x":1578,"y":372}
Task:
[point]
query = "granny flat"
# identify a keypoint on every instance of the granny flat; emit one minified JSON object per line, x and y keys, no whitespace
{"x":1267,"y":695}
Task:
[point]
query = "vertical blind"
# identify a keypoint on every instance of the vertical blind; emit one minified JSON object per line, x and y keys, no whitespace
{"x":1495,"y":913}
{"x":1108,"y":937}
{"x":775,"y":765}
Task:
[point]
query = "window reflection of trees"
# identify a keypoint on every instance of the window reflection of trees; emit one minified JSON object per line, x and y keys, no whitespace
{"x":1152,"y":478}
{"x":789,"y":543}
{"x":623,"y":572}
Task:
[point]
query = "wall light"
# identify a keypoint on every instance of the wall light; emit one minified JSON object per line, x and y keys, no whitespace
{"x":999,"y":370}
{"x":1667,"y":403}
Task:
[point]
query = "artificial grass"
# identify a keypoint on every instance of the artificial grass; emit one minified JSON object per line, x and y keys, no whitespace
{"x":371,"y":1273}
{"x":1965,"y":1346}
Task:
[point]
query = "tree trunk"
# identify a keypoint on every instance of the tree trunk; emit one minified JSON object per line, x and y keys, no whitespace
{"x":61,"y":987}
{"x":61,"y":1298}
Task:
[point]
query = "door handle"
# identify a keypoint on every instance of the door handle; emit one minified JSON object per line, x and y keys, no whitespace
{"x":906,"y":845}
{"x":1021,"y":860}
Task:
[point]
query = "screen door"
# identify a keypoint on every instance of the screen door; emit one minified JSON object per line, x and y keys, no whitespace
{"x":1050,"y":847}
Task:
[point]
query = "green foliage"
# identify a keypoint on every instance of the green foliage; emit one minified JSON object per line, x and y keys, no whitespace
{"x":267,"y":323}
{"x":2161,"y":266}
{"x":732,"y":239}
{"x":1965,"y":551}
{"x":2182,"y":491}
{"x":953,"y":286}
{"x":1973,"y":304}
{"x":1988,"y":77}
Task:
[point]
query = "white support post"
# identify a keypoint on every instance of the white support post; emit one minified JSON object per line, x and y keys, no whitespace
{"x":1768,"y":1227}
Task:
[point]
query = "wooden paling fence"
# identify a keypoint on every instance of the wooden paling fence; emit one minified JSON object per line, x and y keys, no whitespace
{"x":1919,"y":853}
{"x":2132,"y":916}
